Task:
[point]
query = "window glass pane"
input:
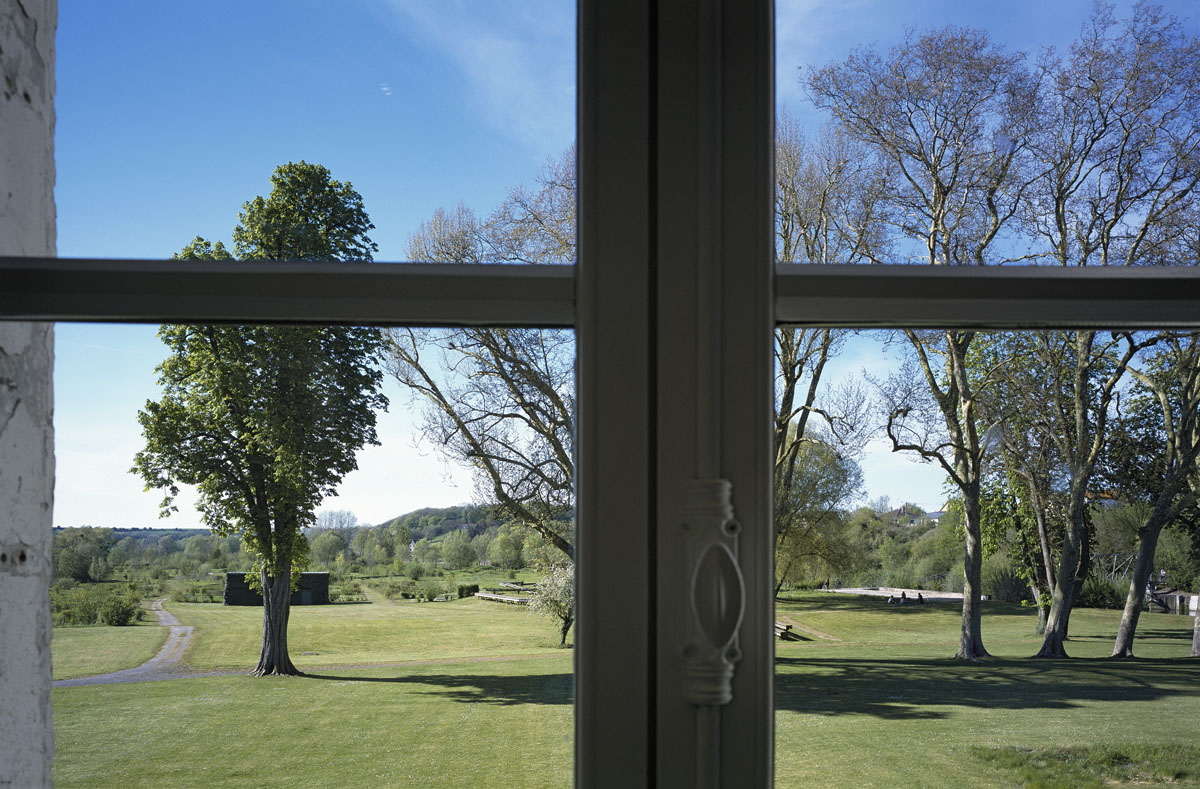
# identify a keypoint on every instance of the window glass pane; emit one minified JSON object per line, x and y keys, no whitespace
{"x":423,"y":660}
{"x":894,"y":502}
{"x":967,"y":134}
{"x":170,"y":118}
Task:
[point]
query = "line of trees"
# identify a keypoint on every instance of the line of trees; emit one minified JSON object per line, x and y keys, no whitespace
{"x":979,"y":157}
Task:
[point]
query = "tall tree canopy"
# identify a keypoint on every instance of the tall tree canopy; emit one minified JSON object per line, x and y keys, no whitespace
{"x":265,"y":420}
{"x":945,"y":116}
{"x":985,"y":157}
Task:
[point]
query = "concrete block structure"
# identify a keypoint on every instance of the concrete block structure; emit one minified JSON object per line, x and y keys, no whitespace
{"x":313,"y":590}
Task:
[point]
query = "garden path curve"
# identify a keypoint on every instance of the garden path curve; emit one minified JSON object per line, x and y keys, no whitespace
{"x":167,"y":664}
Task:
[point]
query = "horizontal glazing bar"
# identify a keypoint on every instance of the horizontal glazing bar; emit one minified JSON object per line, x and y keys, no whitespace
{"x":174,"y":291}
{"x":968,"y":297}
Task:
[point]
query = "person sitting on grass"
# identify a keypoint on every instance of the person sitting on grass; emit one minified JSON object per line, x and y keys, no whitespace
{"x":903,"y":598}
{"x":920,"y":599}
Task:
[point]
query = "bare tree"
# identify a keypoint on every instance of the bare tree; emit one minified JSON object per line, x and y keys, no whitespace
{"x":502,"y":400}
{"x":1119,"y":154}
{"x":947,"y":117}
{"x":336,"y":519}
{"x":827,"y":202}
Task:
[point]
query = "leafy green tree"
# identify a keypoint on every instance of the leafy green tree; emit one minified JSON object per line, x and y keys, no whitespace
{"x":266,"y":420}
{"x":426,"y":551}
{"x":327,"y":546}
{"x":457,"y":550}
{"x":403,"y":540}
{"x":200,"y":547}
{"x":1159,"y":460}
{"x":81,"y":553}
{"x":809,"y":532}
{"x":505,"y":550}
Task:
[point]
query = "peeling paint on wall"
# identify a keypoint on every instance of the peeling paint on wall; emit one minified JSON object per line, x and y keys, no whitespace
{"x":27,"y":227}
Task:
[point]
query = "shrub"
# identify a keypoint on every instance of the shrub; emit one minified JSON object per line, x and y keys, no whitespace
{"x":348,"y":591}
{"x":119,"y":611}
{"x":393,"y":589}
{"x":954,"y":580}
{"x":88,"y":604}
{"x":467,"y":590}
{"x":429,"y":590}
{"x":1001,"y":582}
{"x":1100,"y":592}
{"x":196,"y":592}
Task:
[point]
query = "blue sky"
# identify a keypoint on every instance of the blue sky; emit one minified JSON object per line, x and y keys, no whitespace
{"x":171,"y":115}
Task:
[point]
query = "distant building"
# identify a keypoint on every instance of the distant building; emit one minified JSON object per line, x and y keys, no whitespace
{"x":936,"y":516}
{"x":313,"y":590}
{"x":905,"y":515}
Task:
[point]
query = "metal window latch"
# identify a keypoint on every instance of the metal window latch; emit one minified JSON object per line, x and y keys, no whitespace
{"x":717,"y":594}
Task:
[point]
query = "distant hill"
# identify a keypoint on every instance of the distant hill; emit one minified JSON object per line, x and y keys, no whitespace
{"x":430,"y":522}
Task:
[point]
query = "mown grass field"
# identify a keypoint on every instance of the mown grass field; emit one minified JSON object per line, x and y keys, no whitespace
{"x":459,"y":725}
{"x":886,"y":706}
{"x":82,"y":651}
{"x":381,"y":631}
{"x":481,"y":697}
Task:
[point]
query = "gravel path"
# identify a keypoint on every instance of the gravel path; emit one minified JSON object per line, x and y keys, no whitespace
{"x":165,"y":665}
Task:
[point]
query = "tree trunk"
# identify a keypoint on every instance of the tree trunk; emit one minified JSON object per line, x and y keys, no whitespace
{"x":1123,"y":648}
{"x":970,"y":645}
{"x":277,"y":603}
{"x":1064,"y":590}
{"x":1038,"y":597}
{"x":1081,"y":574}
{"x":566,"y":625}
{"x":1196,"y":634}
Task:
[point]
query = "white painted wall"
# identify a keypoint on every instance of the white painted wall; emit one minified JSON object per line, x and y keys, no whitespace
{"x":27,"y":227}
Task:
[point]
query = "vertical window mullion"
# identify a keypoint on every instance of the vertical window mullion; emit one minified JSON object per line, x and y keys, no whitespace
{"x":614,"y":670}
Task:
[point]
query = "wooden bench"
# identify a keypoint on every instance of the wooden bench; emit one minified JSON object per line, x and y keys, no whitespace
{"x":784,"y":632}
{"x":505,"y":599}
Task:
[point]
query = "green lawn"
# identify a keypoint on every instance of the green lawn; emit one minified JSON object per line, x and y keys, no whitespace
{"x":462,"y":725}
{"x":887,"y":705}
{"x":83,"y":651}
{"x":874,"y":701}
{"x":362,"y":633}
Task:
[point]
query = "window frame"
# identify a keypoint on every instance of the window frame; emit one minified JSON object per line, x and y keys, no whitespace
{"x":676,"y":112}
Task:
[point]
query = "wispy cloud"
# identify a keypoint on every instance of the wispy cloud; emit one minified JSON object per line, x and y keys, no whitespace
{"x":518,"y":62}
